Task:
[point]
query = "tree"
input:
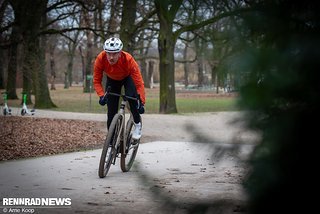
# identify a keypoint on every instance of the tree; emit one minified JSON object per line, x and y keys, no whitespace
{"x":3,"y":51}
{"x":30,"y":22}
{"x":86,"y":22}
{"x":2,"y":68}
{"x":113,"y":22}
{"x":13,"y":60}
{"x":167,"y":11}
{"x":52,"y":45}
{"x":280,"y":57}
{"x":127,"y":24}
{"x":10,"y":49}
{"x":72,"y":44}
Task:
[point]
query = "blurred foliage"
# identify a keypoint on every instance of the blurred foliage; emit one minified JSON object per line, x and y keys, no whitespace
{"x":281,"y":60}
{"x":277,"y":53}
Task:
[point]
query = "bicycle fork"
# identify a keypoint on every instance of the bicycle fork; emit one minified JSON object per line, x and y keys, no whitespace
{"x":119,"y":138}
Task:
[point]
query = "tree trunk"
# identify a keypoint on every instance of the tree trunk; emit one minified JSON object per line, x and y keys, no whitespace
{"x":42,"y":95}
{"x":82,"y":64}
{"x":143,"y":69}
{"x":127,"y":24}
{"x":66,"y":80}
{"x":68,"y":73}
{"x":166,"y":67}
{"x":199,"y":51}
{"x":89,"y":56}
{"x":166,"y":12}
{"x":13,"y":64}
{"x":3,"y":52}
{"x":52,"y":68}
{"x":113,"y":21}
{"x":34,"y":73}
{"x":213,"y":74}
{"x":200,"y":72}
{"x":150,"y":73}
{"x":186,"y":65}
{"x":2,"y":69}
{"x":88,"y":68}
{"x":72,"y":47}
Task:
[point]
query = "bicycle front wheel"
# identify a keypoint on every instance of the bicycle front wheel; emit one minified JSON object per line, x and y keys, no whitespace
{"x":129,"y":153}
{"x":109,"y":152}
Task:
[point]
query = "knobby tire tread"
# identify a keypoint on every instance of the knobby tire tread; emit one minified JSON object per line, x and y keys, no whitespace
{"x":103,"y":171}
{"x":126,"y":166}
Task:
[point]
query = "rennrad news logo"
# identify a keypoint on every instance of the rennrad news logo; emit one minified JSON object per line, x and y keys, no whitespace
{"x":30,"y":205}
{"x":36,"y":202}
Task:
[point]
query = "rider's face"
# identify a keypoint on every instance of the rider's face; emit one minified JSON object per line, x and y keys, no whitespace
{"x":113,"y":57}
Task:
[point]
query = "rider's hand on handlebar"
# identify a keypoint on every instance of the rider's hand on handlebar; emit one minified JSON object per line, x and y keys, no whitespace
{"x":141,"y":109}
{"x":140,"y":105}
{"x":103,"y":100}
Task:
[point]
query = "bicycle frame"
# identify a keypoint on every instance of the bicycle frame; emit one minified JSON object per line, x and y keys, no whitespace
{"x":122,"y":137}
{"x":118,"y":140}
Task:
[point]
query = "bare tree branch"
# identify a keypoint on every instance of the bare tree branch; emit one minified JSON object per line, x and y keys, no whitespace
{"x":210,"y":21}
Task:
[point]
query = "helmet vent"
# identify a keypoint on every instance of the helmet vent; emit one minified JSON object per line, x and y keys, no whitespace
{"x":113,"y":44}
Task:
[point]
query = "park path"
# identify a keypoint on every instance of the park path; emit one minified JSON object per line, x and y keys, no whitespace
{"x":223,"y":127}
{"x":173,"y":162}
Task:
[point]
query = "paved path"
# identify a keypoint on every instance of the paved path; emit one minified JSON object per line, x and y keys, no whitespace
{"x":220,"y":127}
{"x":185,"y":171}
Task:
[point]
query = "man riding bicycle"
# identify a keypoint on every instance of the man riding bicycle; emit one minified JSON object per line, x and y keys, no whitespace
{"x":121,"y":69}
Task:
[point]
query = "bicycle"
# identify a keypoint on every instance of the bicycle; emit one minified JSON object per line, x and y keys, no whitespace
{"x":24,"y":109}
{"x":6,"y":109}
{"x":119,"y":140}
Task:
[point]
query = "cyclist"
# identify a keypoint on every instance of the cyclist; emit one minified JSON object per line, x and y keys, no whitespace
{"x":121,"y":69}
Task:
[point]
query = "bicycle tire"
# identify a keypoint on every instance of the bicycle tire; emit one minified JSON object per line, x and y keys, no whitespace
{"x":128,"y":154}
{"x":109,"y":152}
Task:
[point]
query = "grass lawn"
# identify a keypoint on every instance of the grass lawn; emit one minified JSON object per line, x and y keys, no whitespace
{"x":74,"y":100}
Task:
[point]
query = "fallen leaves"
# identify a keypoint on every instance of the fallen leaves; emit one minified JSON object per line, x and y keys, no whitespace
{"x":24,"y":137}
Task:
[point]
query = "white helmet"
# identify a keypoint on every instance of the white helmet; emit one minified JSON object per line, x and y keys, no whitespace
{"x":113,"y":45}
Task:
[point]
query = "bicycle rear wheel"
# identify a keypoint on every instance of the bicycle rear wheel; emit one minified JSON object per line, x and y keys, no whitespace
{"x":129,"y":153}
{"x":109,"y":152}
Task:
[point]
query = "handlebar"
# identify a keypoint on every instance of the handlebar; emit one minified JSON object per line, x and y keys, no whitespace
{"x":123,"y":96}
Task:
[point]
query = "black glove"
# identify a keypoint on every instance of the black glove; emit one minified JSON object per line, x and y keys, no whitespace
{"x":103,"y":100}
{"x":141,"y":109}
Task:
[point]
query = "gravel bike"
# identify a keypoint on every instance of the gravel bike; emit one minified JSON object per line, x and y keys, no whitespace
{"x":119,"y":139}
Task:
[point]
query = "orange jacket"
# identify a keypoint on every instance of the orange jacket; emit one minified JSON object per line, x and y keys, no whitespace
{"x":125,"y":66}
